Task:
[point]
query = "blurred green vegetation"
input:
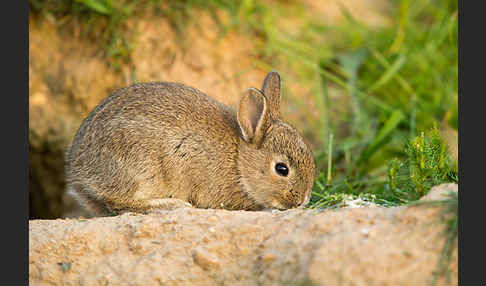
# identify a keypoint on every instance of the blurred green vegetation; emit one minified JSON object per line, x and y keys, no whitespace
{"x":105,"y":19}
{"x":399,"y":80}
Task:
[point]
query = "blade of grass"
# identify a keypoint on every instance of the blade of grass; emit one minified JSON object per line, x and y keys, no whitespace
{"x":97,"y":6}
{"x":403,"y":15}
{"x":351,"y":62}
{"x":406,"y":86}
{"x":322,"y":101}
{"x":390,"y":125}
{"x":329,"y":160}
{"x":389,"y":74}
{"x":384,"y":62}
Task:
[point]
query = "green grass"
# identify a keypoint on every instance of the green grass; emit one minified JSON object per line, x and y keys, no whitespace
{"x":402,"y":80}
{"x":399,"y":80}
{"x":427,"y":163}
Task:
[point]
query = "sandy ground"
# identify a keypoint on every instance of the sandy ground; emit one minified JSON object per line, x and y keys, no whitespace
{"x":349,"y":246}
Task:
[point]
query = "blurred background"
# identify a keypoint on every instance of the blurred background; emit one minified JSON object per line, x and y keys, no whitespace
{"x":372,"y":85}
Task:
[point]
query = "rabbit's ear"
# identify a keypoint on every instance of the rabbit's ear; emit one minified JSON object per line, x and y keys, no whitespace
{"x":271,"y":89}
{"x":253,"y":116}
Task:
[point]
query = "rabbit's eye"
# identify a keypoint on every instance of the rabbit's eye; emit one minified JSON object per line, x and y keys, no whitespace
{"x":282,"y":169}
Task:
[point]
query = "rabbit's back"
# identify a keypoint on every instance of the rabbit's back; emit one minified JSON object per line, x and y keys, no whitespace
{"x":154,"y":140}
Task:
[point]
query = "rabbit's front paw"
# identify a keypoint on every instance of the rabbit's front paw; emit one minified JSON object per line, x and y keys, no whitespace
{"x":159,"y":205}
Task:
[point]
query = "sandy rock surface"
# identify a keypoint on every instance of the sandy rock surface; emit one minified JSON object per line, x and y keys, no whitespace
{"x":348,"y":246}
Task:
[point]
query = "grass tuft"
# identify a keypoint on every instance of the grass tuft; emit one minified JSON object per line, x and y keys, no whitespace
{"x":427,"y":164}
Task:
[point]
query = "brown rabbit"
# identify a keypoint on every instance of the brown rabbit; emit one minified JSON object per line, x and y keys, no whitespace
{"x":163,"y":145}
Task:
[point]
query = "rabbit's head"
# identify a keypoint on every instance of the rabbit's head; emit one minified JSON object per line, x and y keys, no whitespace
{"x":276,"y":166}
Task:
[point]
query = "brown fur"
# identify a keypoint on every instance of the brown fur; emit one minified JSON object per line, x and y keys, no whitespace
{"x":160,"y":145}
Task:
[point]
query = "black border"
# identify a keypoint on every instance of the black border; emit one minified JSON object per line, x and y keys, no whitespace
{"x":14,"y":116}
{"x":471,"y":86}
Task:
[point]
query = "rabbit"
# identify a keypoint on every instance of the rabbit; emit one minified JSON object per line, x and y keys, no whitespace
{"x":164,"y":145}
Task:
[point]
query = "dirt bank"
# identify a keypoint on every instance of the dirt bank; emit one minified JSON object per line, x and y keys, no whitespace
{"x":351,"y":246}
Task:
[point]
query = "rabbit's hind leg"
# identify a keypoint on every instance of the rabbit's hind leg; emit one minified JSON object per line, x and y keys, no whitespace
{"x":87,"y":199}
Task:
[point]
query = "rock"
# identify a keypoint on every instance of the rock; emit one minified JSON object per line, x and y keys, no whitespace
{"x":205,"y":260}
{"x":348,"y":246}
{"x":440,"y":192}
